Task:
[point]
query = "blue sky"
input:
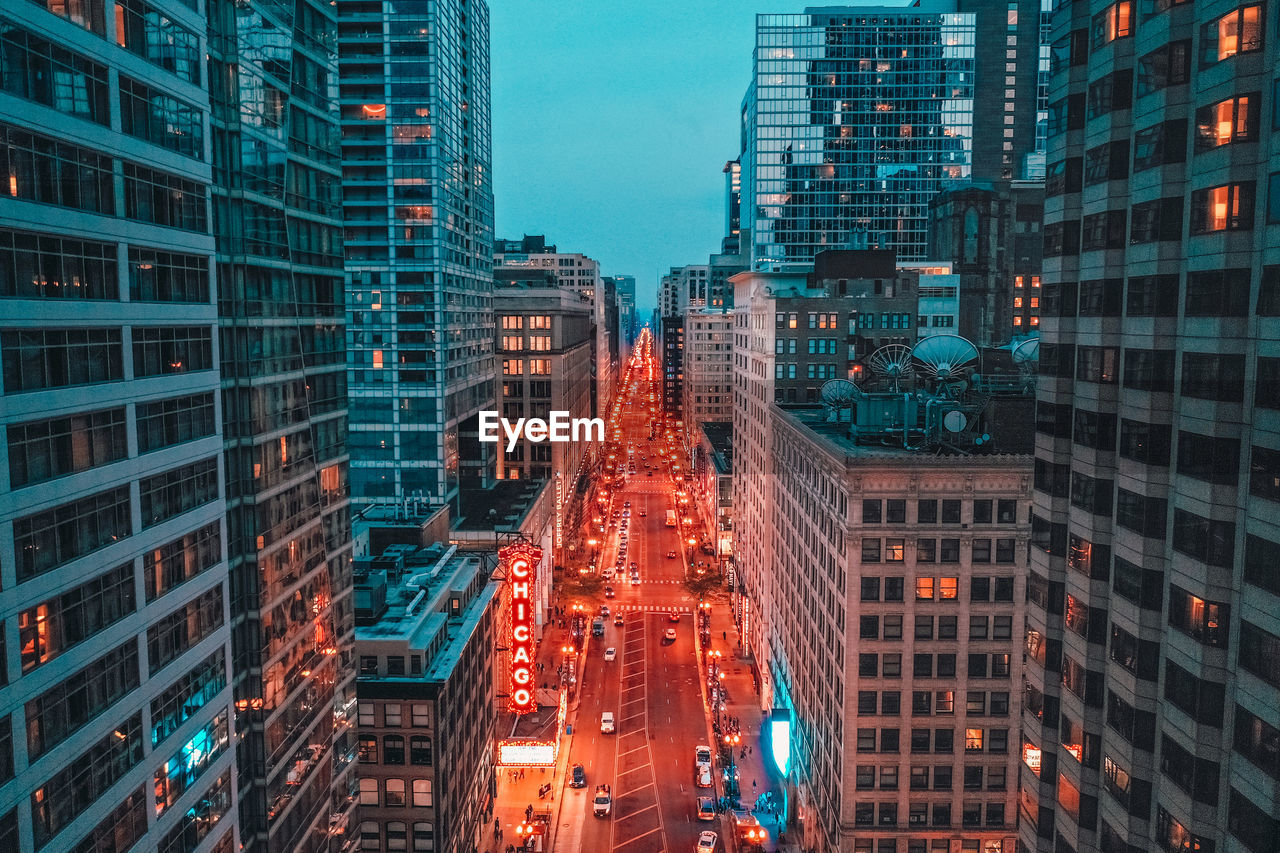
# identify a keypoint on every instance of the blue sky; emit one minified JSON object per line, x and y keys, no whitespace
{"x":612,"y":122}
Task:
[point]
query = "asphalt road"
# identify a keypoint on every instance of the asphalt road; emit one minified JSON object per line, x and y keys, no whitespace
{"x":652,"y":686}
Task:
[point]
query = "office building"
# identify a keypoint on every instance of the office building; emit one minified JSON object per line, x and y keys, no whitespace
{"x":427,"y":626}
{"x":418,"y":220}
{"x":544,"y":343}
{"x":731,"y":244}
{"x":991,"y":237}
{"x":1152,"y":711}
{"x":116,"y":712}
{"x":624,"y":303}
{"x":857,"y":115}
{"x":280,"y":273}
{"x":894,"y":636}
{"x":712,"y":488}
{"x":580,"y":274}
{"x":707,"y":395}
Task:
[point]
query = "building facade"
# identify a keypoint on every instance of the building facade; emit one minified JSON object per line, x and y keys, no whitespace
{"x":991,"y":236}
{"x":544,"y":344}
{"x":1153,"y":624}
{"x":898,"y":584}
{"x":707,"y":394}
{"x":427,"y":627}
{"x":418,"y":220}
{"x":117,"y":722}
{"x":857,"y":115}
{"x":580,"y":274}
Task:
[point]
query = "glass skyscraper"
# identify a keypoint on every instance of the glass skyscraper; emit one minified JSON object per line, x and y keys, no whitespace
{"x":1151,"y":716}
{"x":857,"y":116}
{"x":418,"y":214}
{"x":276,"y":216}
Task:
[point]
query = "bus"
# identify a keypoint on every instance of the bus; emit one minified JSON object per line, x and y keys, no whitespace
{"x":671,"y":518}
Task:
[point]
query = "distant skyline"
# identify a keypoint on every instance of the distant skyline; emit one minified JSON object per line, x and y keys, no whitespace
{"x":612,"y":123}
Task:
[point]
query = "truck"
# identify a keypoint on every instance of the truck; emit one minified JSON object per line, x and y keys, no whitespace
{"x":671,"y":518}
{"x":603,"y":803}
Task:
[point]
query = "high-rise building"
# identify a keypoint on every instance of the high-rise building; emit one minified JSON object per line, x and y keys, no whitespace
{"x":894,"y":641}
{"x":116,"y":708}
{"x":857,"y":115}
{"x":580,"y":274}
{"x":991,"y":237}
{"x":544,"y":343}
{"x":707,"y":394}
{"x":624,"y":288}
{"x":278,"y":231}
{"x":426,"y":712}
{"x":730,"y":243}
{"x":418,"y":217}
{"x":1152,"y":709}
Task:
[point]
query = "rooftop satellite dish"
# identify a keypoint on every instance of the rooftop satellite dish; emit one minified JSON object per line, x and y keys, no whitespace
{"x":839,"y":393}
{"x":1027,"y":352}
{"x":892,"y":363}
{"x":944,"y":358}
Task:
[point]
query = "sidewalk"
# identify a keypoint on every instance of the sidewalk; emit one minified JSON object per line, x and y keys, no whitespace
{"x":514,"y":796}
{"x":756,"y":776}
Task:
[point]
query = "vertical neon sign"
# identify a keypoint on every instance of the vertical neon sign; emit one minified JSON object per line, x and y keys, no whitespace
{"x":521,"y":563}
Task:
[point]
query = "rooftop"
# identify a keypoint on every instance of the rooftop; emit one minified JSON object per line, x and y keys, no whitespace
{"x":503,"y":504}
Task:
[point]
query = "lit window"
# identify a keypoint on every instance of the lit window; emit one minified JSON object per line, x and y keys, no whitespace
{"x":1034,"y":321}
{"x":1017,"y":302}
{"x":1017,"y":281}
{"x":375,"y":112}
{"x":377,"y":359}
{"x":1238,"y":31}
{"x":1017,"y":321}
{"x":948,"y":588}
{"x":973,"y":740}
{"x":1035,"y":281}
{"x":924,"y":589}
{"x":1232,"y":120}
{"x":1225,"y":208}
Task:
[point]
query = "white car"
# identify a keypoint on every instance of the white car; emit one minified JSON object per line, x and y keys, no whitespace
{"x":610,"y":654}
{"x":702,"y":754}
{"x":607,"y":726}
{"x":669,"y":636}
{"x":702,"y":776}
{"x":706,"y":842}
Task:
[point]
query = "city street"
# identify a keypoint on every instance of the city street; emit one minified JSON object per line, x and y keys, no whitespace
{"x":652,"y":686}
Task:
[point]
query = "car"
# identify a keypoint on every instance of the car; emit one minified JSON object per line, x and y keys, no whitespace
{"x":579,"y":777}
{"x":603,"y":802}
{"x":671,"y":555}
{"x":604,"y":610}
{"x":610,"y":654}
{"x":626,"y":503}
{"x":645,"y":513}
{"x":669,"y":636}
{"x":635,"y":577}
{"x":673,"y":617}
{"x":706,"y":808}
{"x":607,"y":725}
{"x":707,"y":842}
{"x":702,"y":775}
{"x":608,"y":592}
{"x":617,"y":620}
{"x":702,"y":754}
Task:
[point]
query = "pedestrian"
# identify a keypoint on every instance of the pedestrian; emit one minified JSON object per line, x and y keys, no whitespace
{"x":724,"y":635}
{"x":521,"y":772}
{"x":753,"y":784}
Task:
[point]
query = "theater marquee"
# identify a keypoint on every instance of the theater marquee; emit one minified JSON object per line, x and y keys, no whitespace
{"x":520,"y":562}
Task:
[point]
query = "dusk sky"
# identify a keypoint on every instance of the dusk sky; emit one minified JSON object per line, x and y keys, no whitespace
{"x":612,"y":123}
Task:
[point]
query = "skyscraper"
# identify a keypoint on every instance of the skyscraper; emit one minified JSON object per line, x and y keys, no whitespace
{"x":277,"y":225}
{"x":418,"y":211}
{"x":1152,"y":707}
{"x":857,"y":115}
{"x":115,"y":675}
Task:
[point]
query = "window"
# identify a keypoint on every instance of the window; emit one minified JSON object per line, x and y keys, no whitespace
{"x":1260,"y":653}
{"x":1169,"y":65}
{"x":924,"y":589}
{"x":1113,"y":22}
{"x":187,"y":695}
{"x":870,"y":550}
{"x":1213,"y":460}
{"x":38,"y":266}
{"x":369,"y":794}
{"x":170,"y":636}
{"x":948,"y":589}
{"x":51,"y":628}
{"x":147,"y":32}
{"x":1141,"y":514}
{"x":72,"y":703}
{"x":60,"y":358}
{"x":1232,"y":120}
{"x":1258,"y":741}
{"x":1159,"y":145}
{"x":982,"y":550}
{"x":1273,"y":200}
{"x":1197,"y":776}
{"x":894,"y":589}
{"x":38,"y":70}
{"x":927,"y":512}
{"x":82,"y":780}
{"x":1200,"y":699}
{"x":164,"y":423}
{"x":1111,"y":92}
{"x":1238,"y":31}
{"x":53,"y":537}
{"x":947,"y":627}
{"x":926,"y":550}
{"x":870,"y":589}
{"x":894,"y":550}
{"x":896,"y":511}
{"x":44,"y":450}
{"x":394,"y":790}
{"x":420,"y":750}
{"x":1225,"y":208}
{"x":159,"y":351}
{"x":151,"y":195}
{"x":1148,"y":370}
{"x":180,"y":490}
{"x":1218,"y":293}
{"x":1155,"y":221}
{"x":949,"y":551}
{"x":156,"y":117}
{"x":871,"y":512}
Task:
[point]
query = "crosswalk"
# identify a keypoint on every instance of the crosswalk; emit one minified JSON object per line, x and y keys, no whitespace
{"x":650,"y":608}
